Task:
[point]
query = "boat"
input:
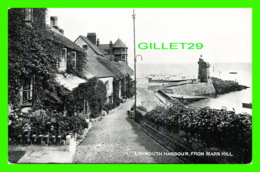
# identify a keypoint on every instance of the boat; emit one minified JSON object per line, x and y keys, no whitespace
{"x":232,"y":72}
{"x":247,"y":105}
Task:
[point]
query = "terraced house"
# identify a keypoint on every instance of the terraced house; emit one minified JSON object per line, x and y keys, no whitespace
{"x":114,"y":58}
{"x":44,"y":61}
{"x":51,"y":63}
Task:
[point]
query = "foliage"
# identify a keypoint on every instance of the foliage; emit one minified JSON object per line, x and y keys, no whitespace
{"x":129,"y":87}
{"x":116,"y":92}
{"x":220,"y":129}
{"x":93,"y":91}
{"x":53,"y":124}
{"x":142,"y":108}
{"x":80,"y":64}
{"x":33,"y":53}
{"x":223,"y":86}
{"x":109,"y":106}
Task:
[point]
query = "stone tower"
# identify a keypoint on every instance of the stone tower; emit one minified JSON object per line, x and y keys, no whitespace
{"x":120,"y":51}
{"x":203,"y":75}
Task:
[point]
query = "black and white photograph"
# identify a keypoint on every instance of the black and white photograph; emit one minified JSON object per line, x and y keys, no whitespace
{"x":130,"y":85}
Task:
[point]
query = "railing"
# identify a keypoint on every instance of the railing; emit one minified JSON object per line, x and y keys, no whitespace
{"x":173,"y":146}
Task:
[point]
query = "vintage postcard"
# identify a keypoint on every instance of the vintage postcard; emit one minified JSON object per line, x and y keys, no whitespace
{"x":130,"y":86}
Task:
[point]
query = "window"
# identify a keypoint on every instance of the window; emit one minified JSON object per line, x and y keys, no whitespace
{"x":107,"y":85}
{"x":28,"y":12}
{"x":62,"y":65}
{"x":110,"y":99}
{"x":123,"y":57}
{"x":74,"y":59}
{"x":85,"y":47}
{"x":26,"y":92}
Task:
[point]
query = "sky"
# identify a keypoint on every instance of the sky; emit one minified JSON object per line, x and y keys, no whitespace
{"x":226,"y":33}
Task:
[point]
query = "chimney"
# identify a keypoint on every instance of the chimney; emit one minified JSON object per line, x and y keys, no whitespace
{"x":97,"y":42}
{"x":54,"y":24}
{"x":54,"y":21}
{"x":111,"y":47}
{"x":110,"y":44}
{"x":61,"y":31}
{"x":92,"y":37}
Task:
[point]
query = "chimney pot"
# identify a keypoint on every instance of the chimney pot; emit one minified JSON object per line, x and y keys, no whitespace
{"x":92,"y":37}
{"x":62,"y":31}
{"x":54,"y":21}
{"x":97,"y":42}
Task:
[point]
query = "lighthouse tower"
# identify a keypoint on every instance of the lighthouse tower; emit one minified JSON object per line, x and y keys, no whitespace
{"x":203,"y":74}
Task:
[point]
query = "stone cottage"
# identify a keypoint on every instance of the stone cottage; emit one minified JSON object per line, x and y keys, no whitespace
{"x":114,"y":60}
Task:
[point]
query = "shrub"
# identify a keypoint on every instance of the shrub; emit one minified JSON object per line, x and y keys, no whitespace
{"x":221,"y":129}
{"x":62,"y":125}
{"x":109,"y":106}
{"x":142,"y":108}
{"x":93,"y":91}
{"x":32,"y":52}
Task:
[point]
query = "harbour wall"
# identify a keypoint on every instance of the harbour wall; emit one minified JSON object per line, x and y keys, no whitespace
{"x":194,"y":89}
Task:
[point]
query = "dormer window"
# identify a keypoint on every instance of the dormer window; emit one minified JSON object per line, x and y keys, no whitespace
{"x":28,"y":12}
{"x":62,"y":65}
{"x":74,"y":59}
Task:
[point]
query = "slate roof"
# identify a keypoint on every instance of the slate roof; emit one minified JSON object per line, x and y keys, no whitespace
{"x":55,"y":36}
{"x":94,"y":68}
{"x":119,"y":44}
{"x":126,"y":68}
{"x":94,"y":47}
{"x":104,"y":48}
{"x":112,"y":67}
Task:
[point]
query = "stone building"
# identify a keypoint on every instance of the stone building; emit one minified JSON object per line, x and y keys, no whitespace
{"x":203,"y":74}
{"x":113,"y":57}
{"x":115,"y":52}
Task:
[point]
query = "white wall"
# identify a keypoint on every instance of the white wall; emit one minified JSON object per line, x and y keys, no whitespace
{"x":90,"y":52}
{"x":110,"y":83}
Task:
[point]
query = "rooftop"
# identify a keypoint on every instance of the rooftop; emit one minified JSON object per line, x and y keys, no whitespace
{"x":93,"y":68}
{"x":94,"y":47}
{"x":104,"y":48}
{"x":112,"y":67}
{"x":119,"y":44}
{"x":55,"y":36}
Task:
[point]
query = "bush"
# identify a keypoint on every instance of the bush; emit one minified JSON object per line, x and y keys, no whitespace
{"x":221,"y":129}
{"x":142,"y":108}
{"x":93,"y":91}
{"x":109,"y":106}
{"x":53,"y":124}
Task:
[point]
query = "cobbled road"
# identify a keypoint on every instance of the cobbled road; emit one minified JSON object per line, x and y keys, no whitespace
{"x":118,"y":139}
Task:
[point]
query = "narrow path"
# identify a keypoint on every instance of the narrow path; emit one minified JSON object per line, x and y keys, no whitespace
{"x":117,"y":139}
{"x":147,"y":99}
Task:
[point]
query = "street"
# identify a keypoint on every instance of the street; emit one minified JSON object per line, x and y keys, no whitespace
{"x":118,"y":139}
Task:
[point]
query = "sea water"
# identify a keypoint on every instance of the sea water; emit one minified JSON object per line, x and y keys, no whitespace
{"x":232,"y":100}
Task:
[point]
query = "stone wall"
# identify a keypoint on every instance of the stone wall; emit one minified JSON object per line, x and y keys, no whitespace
{"x":195,"y":89}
